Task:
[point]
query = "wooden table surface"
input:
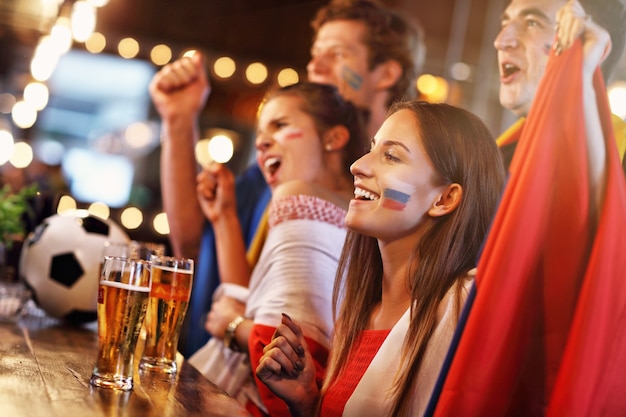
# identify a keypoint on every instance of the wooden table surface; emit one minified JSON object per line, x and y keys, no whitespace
{"x":45,"y":368}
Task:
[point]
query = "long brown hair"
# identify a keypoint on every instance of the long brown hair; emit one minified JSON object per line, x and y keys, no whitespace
{"x":463,"y":151}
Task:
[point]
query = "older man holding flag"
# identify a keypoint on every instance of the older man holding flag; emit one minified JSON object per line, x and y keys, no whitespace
{"x":546,"y":331}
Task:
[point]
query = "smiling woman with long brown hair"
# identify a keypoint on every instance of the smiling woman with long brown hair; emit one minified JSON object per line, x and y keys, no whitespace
{"x":425,"y":195}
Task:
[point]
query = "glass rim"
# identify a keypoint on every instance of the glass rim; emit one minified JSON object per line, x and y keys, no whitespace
{"x":171,"y":258}
{"x":126,"y":259}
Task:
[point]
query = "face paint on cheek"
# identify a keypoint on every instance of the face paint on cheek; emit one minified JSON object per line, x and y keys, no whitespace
{"x":292,"y":133}
{"x":394,"y":199}
{"x":547,"y":48}
{"x":397,"y":196}
{"x":353,"y":79}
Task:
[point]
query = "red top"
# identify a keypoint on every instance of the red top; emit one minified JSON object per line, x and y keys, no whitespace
{"x":365,"y":348}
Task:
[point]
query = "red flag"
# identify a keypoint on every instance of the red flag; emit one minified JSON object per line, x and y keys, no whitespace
{"x":546,"y":333}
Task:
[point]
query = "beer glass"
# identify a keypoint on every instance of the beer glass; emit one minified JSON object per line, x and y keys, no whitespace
{"x":122,"y":301}
{"x":167,"y":305}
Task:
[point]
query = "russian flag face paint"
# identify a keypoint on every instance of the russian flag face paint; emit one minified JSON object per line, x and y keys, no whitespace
{"x":394,"y":199}
{"x":353,"y":79}
{"x":291,"y":133}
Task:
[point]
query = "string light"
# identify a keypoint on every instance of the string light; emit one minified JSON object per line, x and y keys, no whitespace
{"x":6,"y":146}
{"x":22,"y":155}
{"x":83,"y":20}
{"x":37,"y":95}
{"x":287,"y":76}
{"x":24,"y":114}
{"x":100,"y":210}
{"x":160,"y":224}
{"x":131,"y":218}
{"x":160,"y":54}
{"x":617,"y":98}
{"x":256,"y":73}
{"x":224,"y":67}
{"x":128,"y":48}
{"x":96,"y":43}
{"x":66,"y":205}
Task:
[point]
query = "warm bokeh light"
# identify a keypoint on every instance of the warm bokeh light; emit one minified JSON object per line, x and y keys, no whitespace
{"x":202,"y":152}
{"x":98,"y":3}
{"x":287,"y":76}
{"x":427,"y":84}
{"x":24,"y":114}
{"x":44,"y":59}
{"x":460,"y":71}
{"x":6,"y":146}
{"x":41,"y":68}
{"x":96,"y":43}
{"x":224,"y":67}
{"x":100,"y":210}
{"x":22,"y":155}
{"x":61,"y":35}
{"x":217,"y":144}
{"x":138,"y":135}
{"x":66,"y":204}
{"x":617,"y":98}
{"x":432,"y":88}
{"x":37,"y":95}
{"x":256,"y":73}
{"x":160,"y":224}
{"x":7,"y":101}
{"x":83,"y":20}
{"x":160,"y":54}
{"x":221,"y":148}
{"x":128,"y":48}
{"x":131,"y":218}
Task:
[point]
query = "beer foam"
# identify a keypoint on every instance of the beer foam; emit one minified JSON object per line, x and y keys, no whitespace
{"x":124,"y":286}
{"x":173,"y":269}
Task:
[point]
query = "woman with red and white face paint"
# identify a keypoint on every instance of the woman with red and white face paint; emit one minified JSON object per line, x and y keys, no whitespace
{"x":423,"y":200}
{"x":307,"y":136}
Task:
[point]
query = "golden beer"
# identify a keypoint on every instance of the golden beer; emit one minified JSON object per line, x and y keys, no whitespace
{"x":167,"y":306}
{"x":121,"y":311}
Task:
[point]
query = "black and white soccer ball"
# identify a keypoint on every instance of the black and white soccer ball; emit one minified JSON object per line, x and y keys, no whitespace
{"x":60,"y":263}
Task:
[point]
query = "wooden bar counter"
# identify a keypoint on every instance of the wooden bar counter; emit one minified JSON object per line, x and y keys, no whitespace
{"x":45,"y":367}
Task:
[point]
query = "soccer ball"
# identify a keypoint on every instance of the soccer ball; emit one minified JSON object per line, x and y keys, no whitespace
{"x":60,"y":263}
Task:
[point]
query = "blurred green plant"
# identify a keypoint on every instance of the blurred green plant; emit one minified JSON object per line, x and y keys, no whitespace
{"x":13,"y":207}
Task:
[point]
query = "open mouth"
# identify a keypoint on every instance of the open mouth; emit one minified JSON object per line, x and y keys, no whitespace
{"x":509,"y":69}
{"x":361,"y":194}
{"x":272,"y":164}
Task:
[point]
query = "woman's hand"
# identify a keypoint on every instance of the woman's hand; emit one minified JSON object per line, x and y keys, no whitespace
{"x":288,"y":369}
{"x":223,"y":311}
{"x":216,"y":192}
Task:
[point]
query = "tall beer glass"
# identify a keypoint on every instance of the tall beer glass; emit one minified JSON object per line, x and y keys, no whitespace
{"x":169,"y":298}
{"x":122,"y":301}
